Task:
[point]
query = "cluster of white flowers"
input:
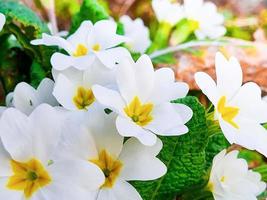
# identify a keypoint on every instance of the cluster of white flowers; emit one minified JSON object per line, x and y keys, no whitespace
{"x":47,"y":149}
{"x":95,"y":128}
{"x":207,"y":21}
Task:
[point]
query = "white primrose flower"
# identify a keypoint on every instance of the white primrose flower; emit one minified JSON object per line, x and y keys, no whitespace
{"x":209,"y":23}
{"x":143,"y":101}
{"x":27,"y":167}
{"x":88,"y":43}
{"x":93,"y":138}
{"x":239,"y":109}
{"x":2,"y":21}
{"x":230,"y":178}
{"x":137,"y":33}
{"x":168,"y":11}
{"x":25,"y":98}
{"x":73,"y":88}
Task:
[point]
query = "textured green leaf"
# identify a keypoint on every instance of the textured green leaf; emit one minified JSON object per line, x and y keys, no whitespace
{"x":25,"y":25}
{"x":28,"y":21}
{"x":216,"y":144}
{"x":184,"y":156}
{"x":90,"y":10}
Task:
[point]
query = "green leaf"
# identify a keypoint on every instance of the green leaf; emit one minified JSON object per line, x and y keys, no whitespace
{"x":37,"y":74}
{"x":25,"y":25}
{"x":90,"y":10}
{"x":184,"y":157}
{"x":216,"y":143}
{"x":27,"y":19}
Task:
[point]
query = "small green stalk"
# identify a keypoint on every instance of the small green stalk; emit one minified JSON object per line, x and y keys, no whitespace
{"x":161,"y":37}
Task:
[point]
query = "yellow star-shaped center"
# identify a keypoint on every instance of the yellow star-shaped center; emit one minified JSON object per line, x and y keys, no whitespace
{"x":228,"y":113}
{"x":28,"y":177}
{"x":138,"y":112}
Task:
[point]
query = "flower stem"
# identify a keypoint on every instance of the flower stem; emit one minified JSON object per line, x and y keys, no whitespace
{"x":161,"y":37}
{"x":186,"y":46}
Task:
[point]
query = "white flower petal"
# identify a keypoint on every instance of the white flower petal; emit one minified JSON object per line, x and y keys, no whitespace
{"x":140,"y":162}
{"x":16,"y":134}
{"x":9,"y":99}
{"x":126,"y":81}
{"x":167,"y":121}
{"x":121,"y":190}
{"x":184,"y":111}
{"x":49,"y":40}
{"x":7,"y":193}
{"x":137,"y":32}
{"x":79,"y":173}
{"x":208,"y":86}
{"x":5,"y":158}
{"x":167,"y":92}
{"x":165,"y":88}
{"x":81,"y":34}
{"x":249,"y":135}
{"x":107,"y":39}
{"x":2,"y":109}
{"x":76,"y":142}
{"x":2,"y":21}
{"x":99,"y":74}
{"x":61,"y":61}
{"x":112,"y":57}
{"x":109,"y":98}
{"x":104,"y":131}
{"x":210,"y":32}
{"x":255,"y":177}
{"x":229,"y":75}
{"x":47,"y":123}
{"x":25,"y":98}
{"x":144,"y":77}
{"x":71,"y":73}
{"x":64,"y":91}
{"x":165,"y":75}
{"x":167,"y":11}
{"x":44,"y":92}
{"x":248,"y":100}
{"x":127,"y":128}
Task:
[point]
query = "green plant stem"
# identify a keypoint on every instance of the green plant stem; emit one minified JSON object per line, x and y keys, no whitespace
{"x":161,"y":37}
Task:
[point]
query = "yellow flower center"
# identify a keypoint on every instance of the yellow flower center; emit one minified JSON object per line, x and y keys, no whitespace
{"x":210,"y":186}
{"x":84,"y":98}
{"x":194,"y":24}
{"x":28,"y":177}
{"x":96,"y":47}
{"x":138,"y":112}
{"x":110,"y":167}
{"x":222,"y":179}
{"x":81,"y":50}
{"x":228,"y":113}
